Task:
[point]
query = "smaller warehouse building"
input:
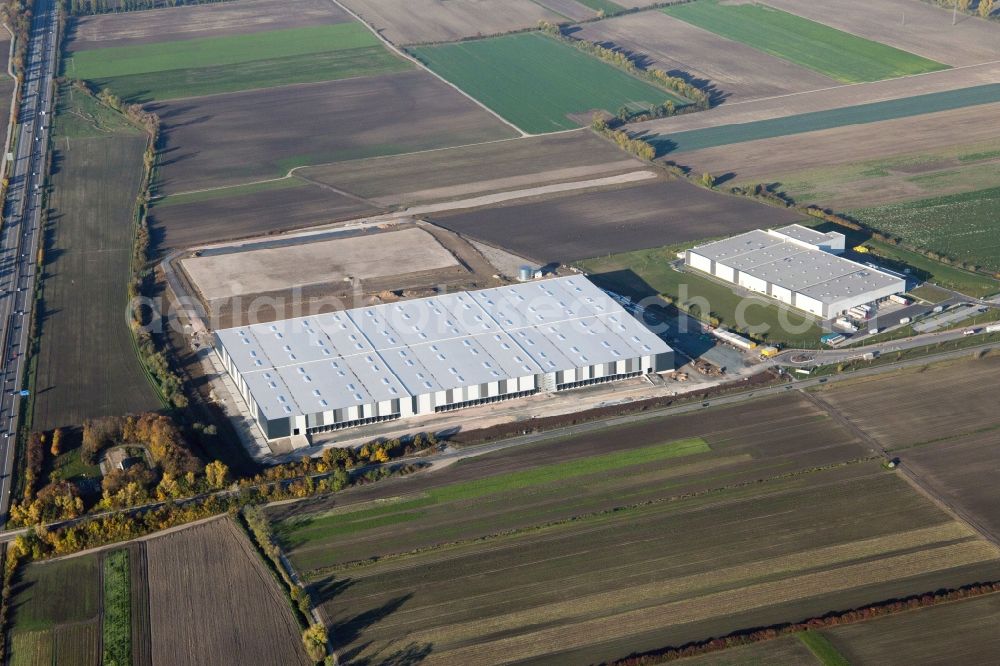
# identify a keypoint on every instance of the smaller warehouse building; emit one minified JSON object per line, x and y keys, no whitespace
{"x":340,"y":369}
{"x":797,"y":266}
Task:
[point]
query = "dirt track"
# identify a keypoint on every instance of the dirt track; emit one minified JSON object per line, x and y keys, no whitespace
{"x":195,"y":21}
{"x":735,"y":71}
{"x":476,"y":169}
{"x":822,"y":100}
{"x":916,"y":27}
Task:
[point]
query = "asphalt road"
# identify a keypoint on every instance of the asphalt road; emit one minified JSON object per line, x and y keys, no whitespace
{"x":19,"y":233}
{"x":828,"y":356}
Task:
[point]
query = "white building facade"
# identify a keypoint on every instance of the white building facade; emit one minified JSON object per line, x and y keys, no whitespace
{"x":336,"y":370}
{"x":797,"y":266}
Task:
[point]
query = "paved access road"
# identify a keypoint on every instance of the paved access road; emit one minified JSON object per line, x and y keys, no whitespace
{"x":20,"y":232}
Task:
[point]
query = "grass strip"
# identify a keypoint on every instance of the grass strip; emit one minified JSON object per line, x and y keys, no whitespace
{"x":907,"y":107}
{"x":229,"y":192}
{"x":840,"y":55}
{"x":822,"y":648}
{"x":117,"y":622}
{"x":298,"y":531}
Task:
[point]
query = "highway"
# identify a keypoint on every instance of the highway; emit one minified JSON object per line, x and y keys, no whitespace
{"x":20,"y":230}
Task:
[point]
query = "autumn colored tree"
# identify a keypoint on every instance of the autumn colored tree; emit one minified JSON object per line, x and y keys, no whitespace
{"x":315,"y":639}
{"x":985,"y":8}
{"x":217,"y":474}
{"x":57,"y":437}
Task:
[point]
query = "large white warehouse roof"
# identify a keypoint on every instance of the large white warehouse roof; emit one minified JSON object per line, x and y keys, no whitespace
{"x":821,"y":275}
{"x":386,"y":352}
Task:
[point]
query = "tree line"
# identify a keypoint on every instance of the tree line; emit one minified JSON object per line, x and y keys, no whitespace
{"x":90,"y":7}
{"x":983,"y":8}
{"x":699,"y":99}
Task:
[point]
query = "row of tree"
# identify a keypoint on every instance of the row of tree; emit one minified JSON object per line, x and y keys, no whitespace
{"x":88,"y":7}
{"x":892,"y":607}
{"x":984,"y":8}
{"x":634,"y":146}
{"x":699,"y":99}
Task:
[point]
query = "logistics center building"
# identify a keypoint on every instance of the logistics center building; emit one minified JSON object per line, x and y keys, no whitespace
{"x":797,"y":266}
{"x":335,"y":370}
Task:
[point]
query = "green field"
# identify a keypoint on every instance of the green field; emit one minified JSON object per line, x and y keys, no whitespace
{"x":167,"y":70}
{"x":536,"y":82}
{"x":56,"y":613}
{"x":839,"y":55}
{"x":964,"y":226}
{"x":724,"y":135}
{"x":922,"y":267}
{"x":822,"y":648}
{"x":634,"y":273}
{"x":117,"y":621}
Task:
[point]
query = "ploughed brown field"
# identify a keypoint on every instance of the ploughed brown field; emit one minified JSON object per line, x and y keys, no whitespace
{"x":772,"y":513}
{"x":455,"y":173}
{"x":943,"y":424}
{"x":239,"y":17}
{"x":588,"y":224}
{"x":308,"y":124}
{"x":916,"y":27}
{"x":419,"y":21}
{"x":732,"y":71}
{"x":180,"y":225}
{"x":963,"y":632}
{"x":212,"y":601}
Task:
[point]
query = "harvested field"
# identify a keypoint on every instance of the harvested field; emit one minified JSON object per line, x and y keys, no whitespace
{"x":837,"y":97}
{"x":210,"y":65}
{"x":212,"y":600}
{"x":963,"y":226}
{"x":927,"y":30}
{"x":572,"y":591}
{"x":571,"y":9}
{"x":190,"y":221}
{"x":962,"y":632}
{"x":821,"y":120}
{"x":538,"y":83}
{"x":962,"y":470}
{"x":362,"y":257}
{"x":56,"y":609}
{"x":396,"y":113}
{"x":87,"y":366}
{"x":193,"y":21}
{"x":924,"y":405}
{"x":866,"y":165}
{"x":582,"y":225}
{"x":421,"y":21}
{"x":728,"y":70}
{"x":453,"y":173}
{"x":839,"y":55}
